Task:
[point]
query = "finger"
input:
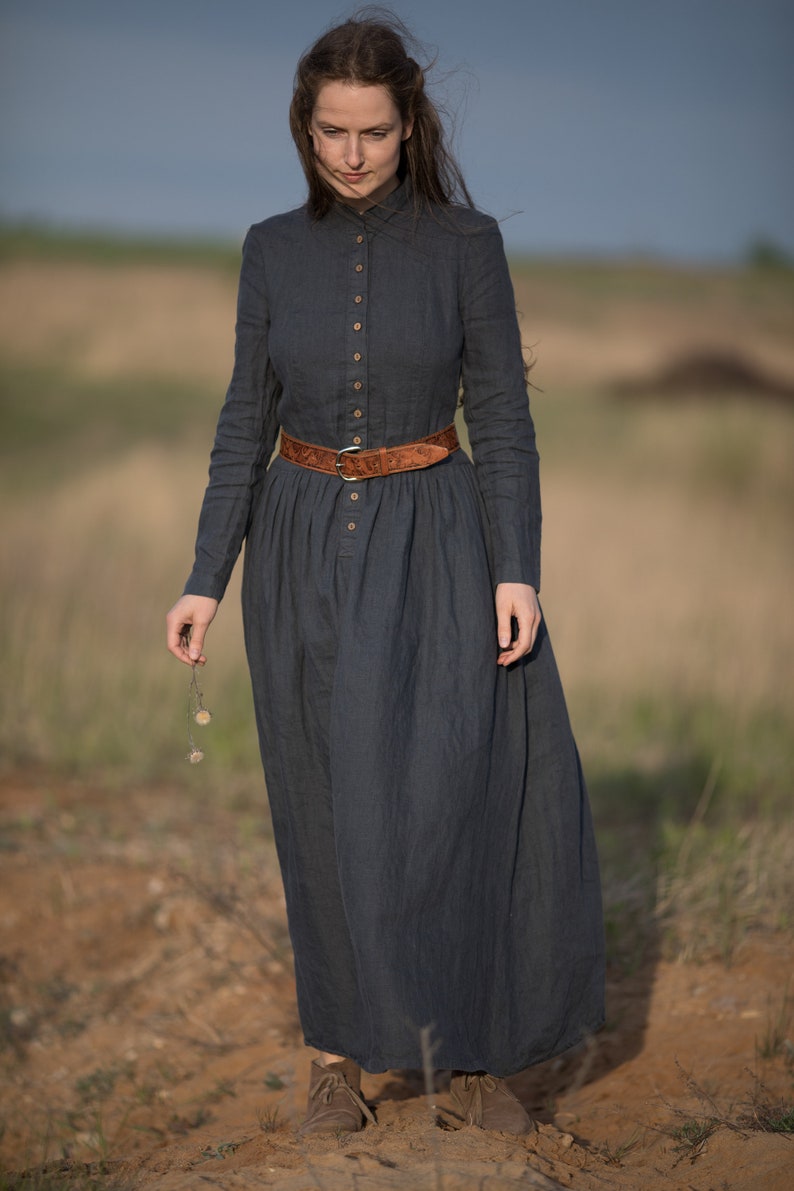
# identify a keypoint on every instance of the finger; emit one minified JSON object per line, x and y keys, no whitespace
{"x":504,"y":627}
{"x":178,"y":638}
{"x":519,"y":648}
{"x":196,"y":643}
{"x":528,"y":624}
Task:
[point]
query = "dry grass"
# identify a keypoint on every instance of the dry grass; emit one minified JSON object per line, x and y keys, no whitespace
{"x":87,"y":580}
{"x":592,"y":322}
{"x":103,"y":321}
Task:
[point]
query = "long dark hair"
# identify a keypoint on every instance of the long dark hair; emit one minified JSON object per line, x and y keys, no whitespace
{"x":369,"y":49}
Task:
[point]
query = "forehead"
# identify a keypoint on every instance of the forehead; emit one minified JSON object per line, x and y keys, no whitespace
{"x":351,"y":105}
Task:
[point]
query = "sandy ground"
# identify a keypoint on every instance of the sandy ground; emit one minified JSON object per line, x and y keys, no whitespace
{"x":151,"y":1037}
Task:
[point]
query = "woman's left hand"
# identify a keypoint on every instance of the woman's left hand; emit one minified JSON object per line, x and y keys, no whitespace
{"x":517,"y":600}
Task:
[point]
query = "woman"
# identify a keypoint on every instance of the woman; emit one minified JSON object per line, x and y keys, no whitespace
{"x":428,"y":807}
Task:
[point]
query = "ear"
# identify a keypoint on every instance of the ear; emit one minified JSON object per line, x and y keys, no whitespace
{"x":408,"y":128}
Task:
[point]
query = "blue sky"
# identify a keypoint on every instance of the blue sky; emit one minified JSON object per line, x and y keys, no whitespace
{"x":663,"y":126}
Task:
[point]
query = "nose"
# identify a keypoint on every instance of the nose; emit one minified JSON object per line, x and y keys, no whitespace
{"x":354,"y":154}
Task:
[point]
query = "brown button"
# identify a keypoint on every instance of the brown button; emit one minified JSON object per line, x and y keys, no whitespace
{"x":357,"y":356}
{"x":357,"y":385}
{"x":358,"y":298}
{"x":351,"y":525}
{"x":357,"y":440}
{"x":357,"y":413}
{"x":354,"y":496}
{"x":359,"y":268}
{"x":359,"y":239}
{"x":356,"y":326}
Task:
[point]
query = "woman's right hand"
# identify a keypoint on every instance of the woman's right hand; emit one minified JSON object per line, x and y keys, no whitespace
{"x":187,"y":625}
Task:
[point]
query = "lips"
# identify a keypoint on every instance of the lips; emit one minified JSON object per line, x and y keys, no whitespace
{"x":353,"y":177}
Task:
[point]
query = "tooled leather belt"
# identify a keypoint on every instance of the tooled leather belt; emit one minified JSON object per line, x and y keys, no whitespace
{"x":353,"y":463}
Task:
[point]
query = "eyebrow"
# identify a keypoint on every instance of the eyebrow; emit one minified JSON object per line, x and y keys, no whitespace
{"x":384,"y":126}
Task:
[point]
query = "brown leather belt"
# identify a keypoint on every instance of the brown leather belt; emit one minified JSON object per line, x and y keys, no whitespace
{"x":351,"y":463}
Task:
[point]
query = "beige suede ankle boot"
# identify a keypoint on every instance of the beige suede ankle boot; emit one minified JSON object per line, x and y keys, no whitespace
{"x":335,"y":1102}
{"x":488,"y":1102}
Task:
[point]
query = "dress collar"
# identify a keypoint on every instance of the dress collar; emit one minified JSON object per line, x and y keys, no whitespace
{"x":399,"y":199}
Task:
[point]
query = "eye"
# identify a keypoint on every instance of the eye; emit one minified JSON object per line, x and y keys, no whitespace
{"x":329,"y":131}
{"x":378,"y":134}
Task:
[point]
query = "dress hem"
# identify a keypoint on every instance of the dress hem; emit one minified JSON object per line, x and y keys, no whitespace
{"x":448,"y":1062}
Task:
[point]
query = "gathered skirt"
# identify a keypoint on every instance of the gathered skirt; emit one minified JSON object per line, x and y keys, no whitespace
{"x":429,"y":810}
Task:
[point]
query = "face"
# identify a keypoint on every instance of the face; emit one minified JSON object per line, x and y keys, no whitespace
{"x":356,"y":133}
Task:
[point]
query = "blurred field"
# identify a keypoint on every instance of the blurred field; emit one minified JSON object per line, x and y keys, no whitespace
{"x":667,"y":580}
{"x":667,"y":555}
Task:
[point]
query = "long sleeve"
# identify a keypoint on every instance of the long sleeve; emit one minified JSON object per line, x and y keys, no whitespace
{"x":496,"y":409}
{"x":245,"y":435}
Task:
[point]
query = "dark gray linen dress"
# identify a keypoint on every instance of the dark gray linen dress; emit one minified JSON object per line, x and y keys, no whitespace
{"x":429,"y":810}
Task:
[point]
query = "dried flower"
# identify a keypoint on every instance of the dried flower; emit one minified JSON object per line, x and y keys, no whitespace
{"x":197,"y":712}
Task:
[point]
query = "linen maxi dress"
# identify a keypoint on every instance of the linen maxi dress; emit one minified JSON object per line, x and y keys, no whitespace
{"x":428,"y":807}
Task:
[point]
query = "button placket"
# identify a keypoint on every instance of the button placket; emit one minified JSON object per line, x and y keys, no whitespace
{"x":356,"y":412}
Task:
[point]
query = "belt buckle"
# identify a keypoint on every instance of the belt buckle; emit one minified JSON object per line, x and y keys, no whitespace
{"x":340,"y":462}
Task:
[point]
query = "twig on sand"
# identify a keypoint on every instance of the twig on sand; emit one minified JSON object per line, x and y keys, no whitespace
{"x":429,"y":1049}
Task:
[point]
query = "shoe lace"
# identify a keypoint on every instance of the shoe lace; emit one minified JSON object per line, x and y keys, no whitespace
{"x":332,"y":1082}
{"x":472,"y":1081}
